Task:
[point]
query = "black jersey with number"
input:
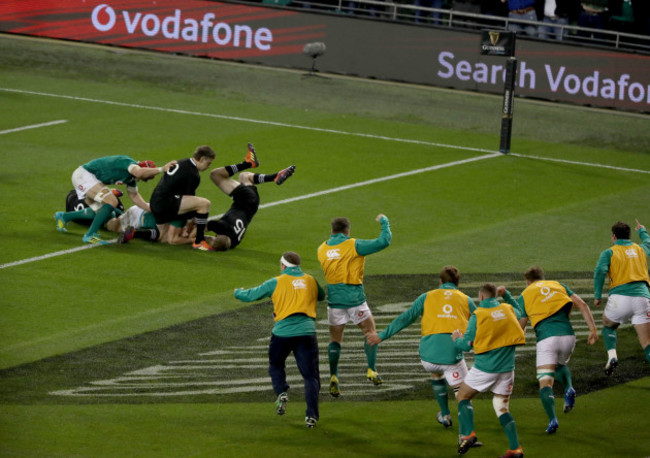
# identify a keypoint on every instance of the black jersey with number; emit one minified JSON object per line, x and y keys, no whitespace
{"x":235,"y":221}
{"x":180,"y":180}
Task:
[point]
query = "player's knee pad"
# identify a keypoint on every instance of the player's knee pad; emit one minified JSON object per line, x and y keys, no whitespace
{"x":500,"y":405}
{"x":545,"y":375}
{"x":102,"y":194}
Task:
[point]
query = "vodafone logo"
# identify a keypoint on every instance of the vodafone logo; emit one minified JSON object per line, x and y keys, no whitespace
{"x":179,"y":27}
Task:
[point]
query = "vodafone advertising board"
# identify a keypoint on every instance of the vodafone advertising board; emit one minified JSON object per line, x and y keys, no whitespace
{"x":355,"y":46}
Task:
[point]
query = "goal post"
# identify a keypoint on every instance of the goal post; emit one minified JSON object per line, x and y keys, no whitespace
{"x":502,"y":43}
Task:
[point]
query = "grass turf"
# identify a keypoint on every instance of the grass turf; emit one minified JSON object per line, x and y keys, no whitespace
{"x":497,"y":215}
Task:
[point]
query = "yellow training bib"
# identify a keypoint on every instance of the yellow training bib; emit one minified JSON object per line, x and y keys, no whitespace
{"x":497,"y":327}
{"x":628,"y":264}
{"x":445,"y":310}
{"x":341,"y":263}
{"x":294,"y":295}
{"x":543,"y":299}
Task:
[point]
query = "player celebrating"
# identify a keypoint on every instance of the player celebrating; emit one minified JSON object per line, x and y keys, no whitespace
{"x":90,"y":182}
{"x":548,"y":304}
{"x":174,"y":197}
{"x":494,"y":332}
{"x":343,"y":259}
{"x":626,"y":265}
{"x":443,"y":310}
{"x":294,"y":295}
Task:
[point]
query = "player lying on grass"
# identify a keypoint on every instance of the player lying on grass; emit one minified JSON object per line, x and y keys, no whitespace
{"x":90,"y":182}
{"x":230,"y":227}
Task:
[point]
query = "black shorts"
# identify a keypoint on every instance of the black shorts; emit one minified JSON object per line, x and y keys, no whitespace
{"x":165,"y":210}
{"x":245,"y":199}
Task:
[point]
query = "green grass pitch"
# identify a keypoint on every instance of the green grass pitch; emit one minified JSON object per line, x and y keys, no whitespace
{"x":72,"y":317}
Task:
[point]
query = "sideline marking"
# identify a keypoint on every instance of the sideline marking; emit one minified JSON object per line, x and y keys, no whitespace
{"x":34,"y":126}
{"x":286,"y":201}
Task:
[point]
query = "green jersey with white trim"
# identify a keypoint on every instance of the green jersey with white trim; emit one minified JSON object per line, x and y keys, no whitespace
{"x":112,"y":170}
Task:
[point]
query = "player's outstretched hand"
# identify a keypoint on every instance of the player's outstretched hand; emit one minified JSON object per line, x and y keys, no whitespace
{"x":456,"y":334}
{"x":501,"y":290}
{"x":379,"y":217}
{"x":638,"y":225}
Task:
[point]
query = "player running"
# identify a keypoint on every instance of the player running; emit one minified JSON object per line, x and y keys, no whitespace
{"x":626,"y":265}
{"x":548,"y":304}
{"x":494,"y":332}
{"x":343,"y":260}
{"x":443,"y":310}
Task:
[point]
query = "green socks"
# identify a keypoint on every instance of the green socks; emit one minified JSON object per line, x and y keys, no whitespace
{"x":465,"y":417}
{"x":333,"y":355}
{"x":508,"y":424}
{"x":548,"y":401}
{"x":609,"y":337}
{"x":441,"y":394}
{"x":86,"y":213}
{"x":102,"y":215}
{"x":563,"y":375}
{"x":371,"y":354}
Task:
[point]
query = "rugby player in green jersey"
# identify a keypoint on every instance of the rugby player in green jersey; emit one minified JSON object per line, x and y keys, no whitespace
{"x":294,"y":295}
{"x":494,"y":333}
{"x":343,"y":260}
{"x":626,"y":266}
{"x":90,"y":182}
{"x":443,"y":310}
{"x":547,"y":304}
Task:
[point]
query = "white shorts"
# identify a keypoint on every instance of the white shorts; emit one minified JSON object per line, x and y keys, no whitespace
{"x":454,"y":373}
{"x":336,"y":317}
{"x":132,"y":217}
{"x":620,"y":309}
{"x":555,"y":350}
{"x":83,"y":180}
{"x":500,"y":383}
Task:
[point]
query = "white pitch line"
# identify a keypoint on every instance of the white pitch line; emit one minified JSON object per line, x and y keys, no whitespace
{"x":249,"y":120}
{"x":587,"y":164}
{"x":33,"y":126}
{"x":286,"y":201}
